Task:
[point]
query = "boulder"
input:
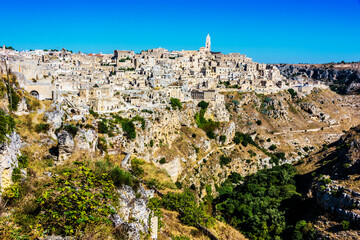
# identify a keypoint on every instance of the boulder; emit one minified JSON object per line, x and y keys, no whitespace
{"x":65,"y":146}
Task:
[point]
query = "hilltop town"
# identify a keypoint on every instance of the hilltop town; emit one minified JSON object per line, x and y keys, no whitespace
{"x":176,"y":145}
{"x":125,"y":80}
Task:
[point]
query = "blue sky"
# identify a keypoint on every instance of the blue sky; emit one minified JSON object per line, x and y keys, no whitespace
{"x":293,"y":31}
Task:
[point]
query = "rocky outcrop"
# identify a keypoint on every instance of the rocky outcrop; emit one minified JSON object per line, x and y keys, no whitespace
{"x":66,"y":145}
{"x":9,"y":152}
{"x":54,"y":117}
{"x":339,"y":201}
{"x":86,"y":140}
{"x":343,"y":77}
{"x":133,"y":215}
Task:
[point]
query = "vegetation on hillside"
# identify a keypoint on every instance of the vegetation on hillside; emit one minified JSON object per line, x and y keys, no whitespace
{"x":207,"y":125}
{"x":7,"y":125}
{"x":257,"y":206}
{"x":78,"y":199}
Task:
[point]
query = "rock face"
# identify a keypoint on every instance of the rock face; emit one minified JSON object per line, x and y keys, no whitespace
{"x":133,"y":215}
{"x":338,"y":200}
{"x":86,"y":140}
{"x":66,"y":145}
{"x":54,"y":117}
{"x":344,"y":77}
{"x":9,"y":151}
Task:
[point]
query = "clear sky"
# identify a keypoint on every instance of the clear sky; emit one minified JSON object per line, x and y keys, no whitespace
{"x":292,"y":31}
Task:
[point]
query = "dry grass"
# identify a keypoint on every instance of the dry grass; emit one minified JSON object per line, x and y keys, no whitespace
{"x":173,"y":227}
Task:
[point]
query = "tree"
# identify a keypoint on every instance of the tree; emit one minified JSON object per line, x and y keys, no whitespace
{"x":292,"y":92}
{"x":175,"y":103}
{"x":203,"y":105}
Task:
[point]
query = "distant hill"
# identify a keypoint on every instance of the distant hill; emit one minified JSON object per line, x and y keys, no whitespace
{"x":343,"y":78}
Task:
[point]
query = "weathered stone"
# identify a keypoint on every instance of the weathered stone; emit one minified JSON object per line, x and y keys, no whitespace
{"x":9,"y":152}
{"x":66,"y":145}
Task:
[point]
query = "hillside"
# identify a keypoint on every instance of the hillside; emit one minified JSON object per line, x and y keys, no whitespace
{"x":331,"y":178}
{"x":344,"y":78}
{"x":137,"y":174}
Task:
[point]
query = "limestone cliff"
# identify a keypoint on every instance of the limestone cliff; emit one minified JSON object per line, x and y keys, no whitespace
{"x":9,"y":152}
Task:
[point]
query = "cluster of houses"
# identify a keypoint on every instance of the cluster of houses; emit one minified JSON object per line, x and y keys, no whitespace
{"x":125,"y":79}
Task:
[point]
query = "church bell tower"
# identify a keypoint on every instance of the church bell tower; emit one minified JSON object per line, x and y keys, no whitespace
{"x":208,"y":43}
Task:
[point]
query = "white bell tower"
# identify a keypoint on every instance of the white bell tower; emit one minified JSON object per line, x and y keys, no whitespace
{"x":208,"y":43}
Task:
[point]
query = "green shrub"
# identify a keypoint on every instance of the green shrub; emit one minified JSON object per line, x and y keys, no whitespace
{"x":224,"y":160}
{"x":175,"y":103}
{"x":345,"y":225}
{"x":162,"y":161}
{"x":136,"y":167}
{"x":203,"y":105}
{"x":193,"y":135}
{"x":272,"y":147}
{"x":15,"y":99}
{"x":186,"y":201}
{"x":204,"y":124}
{"x":7,"y":125}
{"x":23,"y":161}
{"x":16,"y":174}
{"x":120,"y":177}
{"x":222,"y":138}
{"x":76,"y":199}
{"x":103,"y":127}
{"x":210,"y":134}
{"x":11,"y":192}
{"x":92,"y":112}
{"x":258,"y":122}
{"x":252,"y":153}
{"x":102,"y":144}
{"x":292,"y":92}
{"x":71,"y":129}
{"x":42,"y":127}
{"x":151,"y":143}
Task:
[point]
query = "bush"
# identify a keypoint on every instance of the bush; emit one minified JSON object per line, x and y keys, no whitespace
{"x":71,"y":129}
{"x":23,"y":161}
{"x":15,"y":99}
{"x":102,"y":144}
{"x":224,"y":160}
{"x":92,"y":112}
{"x":76,"y":199}
{"x":186,"y":201}
{"x":258,"y":122}
{"x":292,"y":92}
{"x":16,"y":175}
{"x":222,"y":138}
{"x":103,"y":127}
{"x":7,"y":125}
{"x":120,"y":177}
{"x":175,"y":103}
{"x":203,"y":105}
{"x":136,"y":167}
{"x":193,"y":135}
{"x":162,"y":161}
{"x":151,"y":143}
{"x":345,"y":225}
{"x":42,"y":127}
{"x":204,"y":124}
{"x":211,"y":134}
{"x":272,"y":147}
